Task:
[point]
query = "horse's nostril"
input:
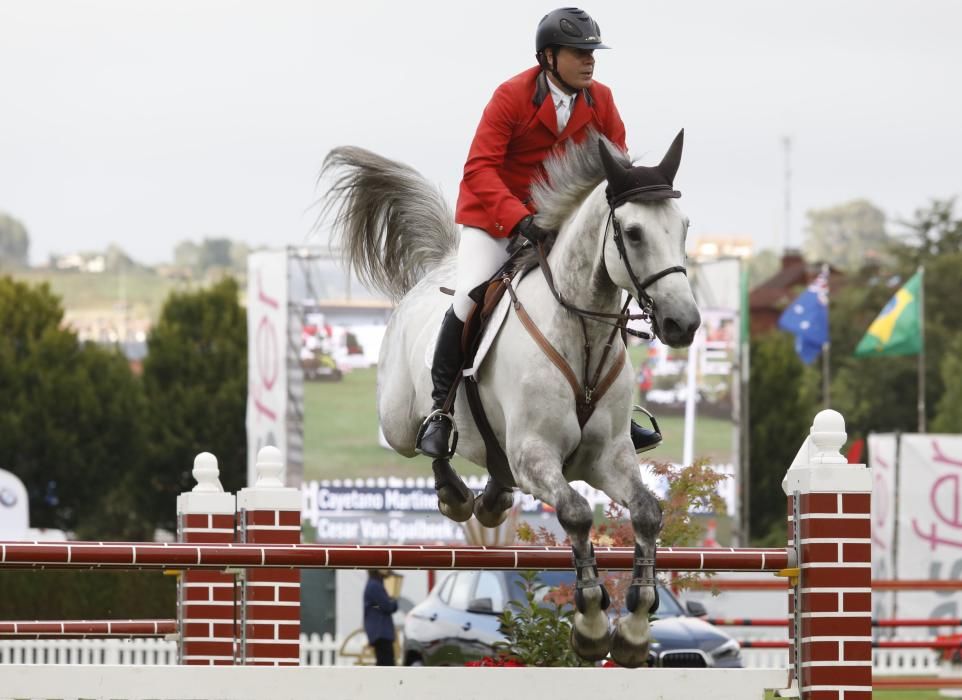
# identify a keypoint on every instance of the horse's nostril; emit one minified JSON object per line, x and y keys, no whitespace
{"x":672,"y":329}
{"x":676,"y":332}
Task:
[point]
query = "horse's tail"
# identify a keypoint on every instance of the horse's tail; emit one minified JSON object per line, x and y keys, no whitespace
{"x":392,"y":226}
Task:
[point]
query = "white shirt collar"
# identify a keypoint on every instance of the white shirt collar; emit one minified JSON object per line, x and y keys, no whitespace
{"x":559,"y":95}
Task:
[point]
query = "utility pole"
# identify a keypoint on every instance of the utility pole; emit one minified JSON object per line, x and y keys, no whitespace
{"x":787,"y":234}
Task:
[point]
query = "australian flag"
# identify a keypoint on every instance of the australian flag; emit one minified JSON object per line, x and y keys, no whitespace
{"x":807,"y":319}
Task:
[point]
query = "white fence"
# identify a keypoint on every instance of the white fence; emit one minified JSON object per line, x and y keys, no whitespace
{"x":885,"y":662}
{"x":327,"y":651}
{"x":315,"y":651}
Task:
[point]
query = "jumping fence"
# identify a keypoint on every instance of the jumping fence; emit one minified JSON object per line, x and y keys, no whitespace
{"x":238,"y":597}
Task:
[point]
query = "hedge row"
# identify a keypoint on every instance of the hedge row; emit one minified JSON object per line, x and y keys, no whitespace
{"x":79,"y":595}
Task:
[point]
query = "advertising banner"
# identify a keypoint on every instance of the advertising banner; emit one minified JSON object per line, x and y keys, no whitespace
{"x":930,"y":522}
{"x":267,"y":343}
{"x":882,"y":461}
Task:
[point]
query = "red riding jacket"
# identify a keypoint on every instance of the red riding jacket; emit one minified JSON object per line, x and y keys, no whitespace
{"x":518,"y":130}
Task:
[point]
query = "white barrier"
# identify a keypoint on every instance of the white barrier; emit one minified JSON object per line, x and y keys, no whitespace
{"x":315,"y":651}
{"x":374,"y":683}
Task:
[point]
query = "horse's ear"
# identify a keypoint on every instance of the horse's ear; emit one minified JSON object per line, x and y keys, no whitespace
{"x":669,"y":164}
{"x":614,"y":171}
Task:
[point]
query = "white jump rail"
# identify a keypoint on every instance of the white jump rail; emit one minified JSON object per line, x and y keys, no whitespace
{"x":376,"y":683}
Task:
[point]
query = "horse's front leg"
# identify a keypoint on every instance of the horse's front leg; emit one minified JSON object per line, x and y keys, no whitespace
{"x":632,"y":635}
{"x":539,"y":473}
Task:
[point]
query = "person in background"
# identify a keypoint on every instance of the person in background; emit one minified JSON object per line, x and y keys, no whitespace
{"x":378,"y":621}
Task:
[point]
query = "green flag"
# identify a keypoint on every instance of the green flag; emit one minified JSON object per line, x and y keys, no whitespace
{"x":898,"y":328}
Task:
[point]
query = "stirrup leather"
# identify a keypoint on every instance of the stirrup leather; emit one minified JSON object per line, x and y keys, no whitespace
{"x":439,"y":414}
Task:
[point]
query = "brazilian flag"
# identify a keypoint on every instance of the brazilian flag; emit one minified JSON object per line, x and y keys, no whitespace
{"x":898,"y":328}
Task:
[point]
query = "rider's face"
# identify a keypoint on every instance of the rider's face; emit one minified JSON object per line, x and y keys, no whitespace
{"x":575,"y":66}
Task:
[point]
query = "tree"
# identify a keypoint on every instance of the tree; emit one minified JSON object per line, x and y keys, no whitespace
{"x":14,"y":242}
{"x":879,"y":394}
{"x":781,"y":405}
{"x":195,"y":381}
{"x":762,"y":265}
{"x":71,"y":418}
{"x":117,"y":260}
{"x":187,"y":254}
{"x":215,"y":252}
{"x":847,"y":235}
{"x":935,"y":231}
{"x":948,"y":412}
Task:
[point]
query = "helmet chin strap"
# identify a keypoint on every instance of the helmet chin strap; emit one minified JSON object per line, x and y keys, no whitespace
{"x":553,"y":69}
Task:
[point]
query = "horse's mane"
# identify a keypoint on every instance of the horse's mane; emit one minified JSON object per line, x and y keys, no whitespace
{"x":570,"y":175}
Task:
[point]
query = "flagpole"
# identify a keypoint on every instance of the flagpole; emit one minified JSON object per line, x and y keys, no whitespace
{"x":827,"y":347}
{"x":921,"y":404}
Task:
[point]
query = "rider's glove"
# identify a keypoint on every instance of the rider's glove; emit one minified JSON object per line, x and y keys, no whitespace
{"x":530,"y":230}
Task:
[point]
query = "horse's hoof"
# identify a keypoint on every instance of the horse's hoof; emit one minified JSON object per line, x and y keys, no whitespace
{"x":629,"y":647}
{"x":486,"y":517}
{"x":452,"y":506}
{"x":588,"y":646}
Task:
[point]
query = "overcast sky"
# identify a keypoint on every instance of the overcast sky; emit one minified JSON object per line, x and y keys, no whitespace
{"x":147,"y":123}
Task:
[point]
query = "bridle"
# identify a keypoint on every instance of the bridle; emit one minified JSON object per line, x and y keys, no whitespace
{"x":645,"y":302}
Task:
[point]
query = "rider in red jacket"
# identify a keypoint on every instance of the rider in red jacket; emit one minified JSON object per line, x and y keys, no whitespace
{"x":527,"y":118}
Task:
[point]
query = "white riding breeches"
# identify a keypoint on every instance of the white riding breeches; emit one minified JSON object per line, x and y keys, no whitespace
{"x":479,"y":256}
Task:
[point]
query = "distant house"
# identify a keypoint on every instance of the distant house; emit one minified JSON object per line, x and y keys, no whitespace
{"x":80,"y":262}
{"x":714,"y":247}
{"x":768,"y":300}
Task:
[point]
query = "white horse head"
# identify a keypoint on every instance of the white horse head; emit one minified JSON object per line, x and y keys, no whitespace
{"x":650,"y":260}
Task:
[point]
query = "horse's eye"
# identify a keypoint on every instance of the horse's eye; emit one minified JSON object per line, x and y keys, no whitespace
{"x":633,"y":234}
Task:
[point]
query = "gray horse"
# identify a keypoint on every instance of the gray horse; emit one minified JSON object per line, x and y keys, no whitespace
{"x":399,"y":236}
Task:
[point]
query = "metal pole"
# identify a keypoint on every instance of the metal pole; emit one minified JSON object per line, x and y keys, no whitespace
{"x":827,"y":348}
{"x":688,"y":443}
{"x":787,"y":145}
{"x":826,"y":383}
{"x":921,"y":404}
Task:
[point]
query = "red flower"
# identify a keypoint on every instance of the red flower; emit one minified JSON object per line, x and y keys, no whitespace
{"x":504,"y":661}
{"x":951,"y":654}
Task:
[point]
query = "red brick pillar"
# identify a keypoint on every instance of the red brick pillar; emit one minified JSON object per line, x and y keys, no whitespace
{"x":269,"y":513}
{"x":829,"y":526}
{"x":206,"y":611}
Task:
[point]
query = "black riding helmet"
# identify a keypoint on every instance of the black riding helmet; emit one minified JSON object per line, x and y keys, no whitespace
{"x":566,"y":26}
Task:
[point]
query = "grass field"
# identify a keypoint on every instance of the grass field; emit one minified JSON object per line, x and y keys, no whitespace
{"x":340,"y":434}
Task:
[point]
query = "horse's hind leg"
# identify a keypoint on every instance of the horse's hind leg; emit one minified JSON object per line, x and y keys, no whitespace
{"x":492,"y":507}
{"x":542,"y":478}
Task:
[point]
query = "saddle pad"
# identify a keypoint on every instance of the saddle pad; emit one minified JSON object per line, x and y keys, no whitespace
{"x":487,"y":338}
{"x":490,"y":333}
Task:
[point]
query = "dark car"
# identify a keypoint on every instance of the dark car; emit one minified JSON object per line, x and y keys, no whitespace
{"x":459,"y":622}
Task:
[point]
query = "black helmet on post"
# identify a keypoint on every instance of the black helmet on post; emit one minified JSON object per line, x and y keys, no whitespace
{"x":568,"y":26}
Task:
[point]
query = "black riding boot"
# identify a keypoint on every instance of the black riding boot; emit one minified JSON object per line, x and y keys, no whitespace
{"x":435,"y":434}
{"x":645,"y":439}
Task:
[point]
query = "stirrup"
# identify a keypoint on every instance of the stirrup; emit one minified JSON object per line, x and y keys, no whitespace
{"x":438,"y":414}
{"x":651,"y":417}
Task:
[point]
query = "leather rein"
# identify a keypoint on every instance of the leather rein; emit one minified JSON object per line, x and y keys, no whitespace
{"x":589,"y":391}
